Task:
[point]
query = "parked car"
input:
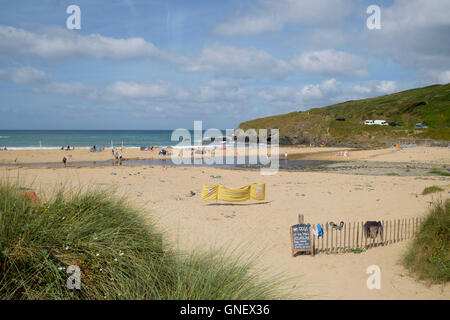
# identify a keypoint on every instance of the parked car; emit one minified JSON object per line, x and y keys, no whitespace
{"x":340,"y":119}
{"x":368,"y":122}
{"x":380,"y":122}
{"x":394,"y":124}
{"x":420,"y":126}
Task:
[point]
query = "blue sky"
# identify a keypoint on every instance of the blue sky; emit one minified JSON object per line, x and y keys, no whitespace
{"x":138,"y":64}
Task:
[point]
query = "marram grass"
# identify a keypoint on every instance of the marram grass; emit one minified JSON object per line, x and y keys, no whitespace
{"x":428,"y":257}
{"x":119,"y":254}
{"x":432,"y":189}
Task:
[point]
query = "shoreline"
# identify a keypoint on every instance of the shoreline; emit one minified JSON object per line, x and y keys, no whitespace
{"x":435,"y":155}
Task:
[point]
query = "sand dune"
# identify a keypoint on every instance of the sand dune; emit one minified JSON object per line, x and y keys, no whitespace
{"x":263,"y":228}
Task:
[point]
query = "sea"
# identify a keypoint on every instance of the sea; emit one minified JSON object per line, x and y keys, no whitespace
{"x":55,"y":139}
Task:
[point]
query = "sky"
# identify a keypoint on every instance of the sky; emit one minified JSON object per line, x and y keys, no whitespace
{"x":144,"y":64}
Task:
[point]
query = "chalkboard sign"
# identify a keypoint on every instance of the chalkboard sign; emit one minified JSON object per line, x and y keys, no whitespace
{"x":301,"y":239}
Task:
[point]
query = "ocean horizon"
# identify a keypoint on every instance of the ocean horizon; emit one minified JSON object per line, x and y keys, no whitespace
{"x":55,"y":139}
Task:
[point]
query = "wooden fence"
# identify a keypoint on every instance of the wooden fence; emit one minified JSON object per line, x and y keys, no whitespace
{"x":352,"y":235}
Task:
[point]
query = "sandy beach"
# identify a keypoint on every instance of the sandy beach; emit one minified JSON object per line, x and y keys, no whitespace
{"x":433,"y":155}
{"x":83,"y":154}
{"x":262,"y":228}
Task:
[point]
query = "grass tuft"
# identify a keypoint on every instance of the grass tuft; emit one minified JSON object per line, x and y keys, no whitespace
{"x":428,"y":256}
{"x":432,"y":189}
{"x":439,"y":172}
{"x":392,"y":174}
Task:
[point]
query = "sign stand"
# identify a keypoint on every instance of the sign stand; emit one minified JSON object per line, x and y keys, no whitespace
{"x":301,"y":236}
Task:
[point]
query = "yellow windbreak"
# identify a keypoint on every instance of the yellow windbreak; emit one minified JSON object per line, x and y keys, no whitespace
{"x":258,"y":191}
{"x":219,"y":192}
{"x":210,"y":192}
{"x":234,"y":195}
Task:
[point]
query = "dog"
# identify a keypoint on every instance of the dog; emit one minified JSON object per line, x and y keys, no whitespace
{"x":372,"y":229}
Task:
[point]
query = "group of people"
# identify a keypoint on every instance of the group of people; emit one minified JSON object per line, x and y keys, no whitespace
{"x":117,"y":156}
{"x":67,"y":148}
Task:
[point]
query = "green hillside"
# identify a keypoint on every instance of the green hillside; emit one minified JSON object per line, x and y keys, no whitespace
{"x":429,"y":106}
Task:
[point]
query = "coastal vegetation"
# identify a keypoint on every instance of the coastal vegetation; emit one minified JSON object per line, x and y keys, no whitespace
{"x":439,"y":172}
{"x":432,"y":189}
{"x":428,"y":257}
{"x":429,"y":106}
{"x":119,"y":253}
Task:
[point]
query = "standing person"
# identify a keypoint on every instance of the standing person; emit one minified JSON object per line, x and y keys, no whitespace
{"x":285,"y":156}
{"x":64,"y":160}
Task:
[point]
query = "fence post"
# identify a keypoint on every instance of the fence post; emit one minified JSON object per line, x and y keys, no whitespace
{"x":331,"y":245}
{"x":338,"y":235}
{"x":357,"y":235}
{"x":353,"y":232}
{"x":365,"y":238}
{"x":323,"y":234}
{"x":395,"y":230}
{"x":313,"y":238}
{"x":409,"y":228}
{"x":392,"y":223}
{"x":345,"y":234}
{"x":403,"y":228}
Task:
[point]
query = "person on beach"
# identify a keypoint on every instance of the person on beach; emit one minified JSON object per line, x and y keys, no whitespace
{"x":64,"y":160}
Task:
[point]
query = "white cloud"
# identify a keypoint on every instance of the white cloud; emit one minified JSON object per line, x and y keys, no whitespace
{"x":386,"y":87}
{"x":415,"y":33}
{"x":136,"y":90}
{"x":54,"y":43}
{"x":254,"y":63}
{"x":322,"y":94}
{"x":144,"y":92}
{"x":60,"y":43}
{"x":319,"y":91}
{"x":274,"y":15}
{"x":331,"y":63}
{"x":434,"y":76}
{"x":231,"y":61}
{"x":66,"y":89}
{"x":24,"y":75}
